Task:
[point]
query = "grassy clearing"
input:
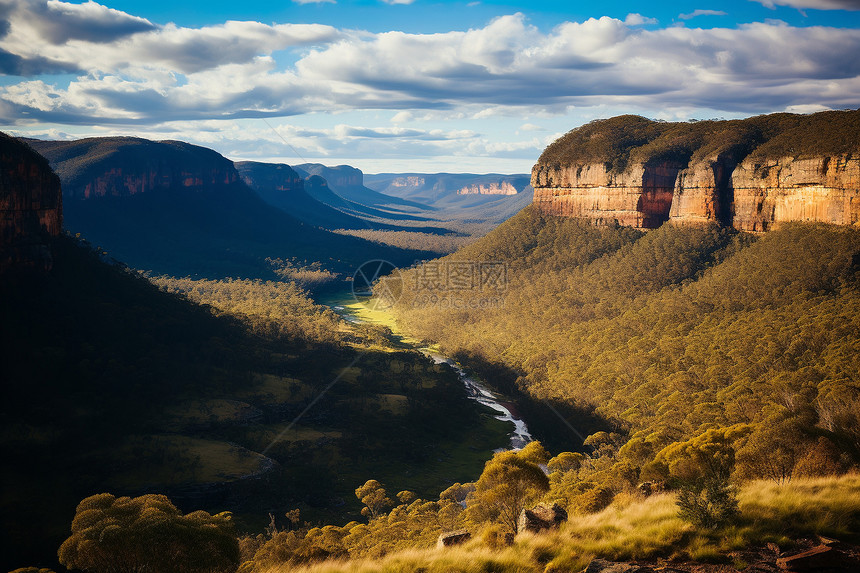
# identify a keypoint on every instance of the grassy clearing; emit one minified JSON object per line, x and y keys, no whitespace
{"x":171,"y":460}
{"x":633,"y":528}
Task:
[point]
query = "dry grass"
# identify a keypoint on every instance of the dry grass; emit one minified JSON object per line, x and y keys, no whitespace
{"x":642,"y":529}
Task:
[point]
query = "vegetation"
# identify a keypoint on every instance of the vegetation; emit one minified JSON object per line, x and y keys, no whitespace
{"x":634,"y":528}
{"x":270,"y":307}
{"x":626,"y":139}
{"x":671,"y":337}
{"x":147,"y":533}
{"x":264,"y":399}
{"x":415,"y":240}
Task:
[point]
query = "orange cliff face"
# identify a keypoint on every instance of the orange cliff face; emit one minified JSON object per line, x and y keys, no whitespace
{"x":747,"y":186}
{"x":751,"y":197}
{"x":31,"y":206}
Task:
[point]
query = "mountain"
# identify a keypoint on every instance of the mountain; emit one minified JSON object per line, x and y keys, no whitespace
{"x":448,"y":190}
{"x":754,"y":174}
{"x":31,"y":206}
{"x":281,"y":186}
{"x":111,"y":384}
{"x":348,"y":182}
{"x":175,"y":208}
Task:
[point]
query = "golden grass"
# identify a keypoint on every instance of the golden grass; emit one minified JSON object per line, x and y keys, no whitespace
{"x":634,"y":528}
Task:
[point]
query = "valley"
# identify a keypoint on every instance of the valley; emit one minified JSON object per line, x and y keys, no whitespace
{"x":666,"y":363}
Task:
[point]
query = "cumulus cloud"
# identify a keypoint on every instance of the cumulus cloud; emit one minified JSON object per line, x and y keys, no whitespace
{"x":505,"y":68}
{"x":813,"y":4}
{"x":696,"y":13}
{"x":58,"y":36}
{"x":639,"y":20}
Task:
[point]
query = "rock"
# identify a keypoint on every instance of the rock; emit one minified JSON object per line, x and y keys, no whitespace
{"x":453,"y":538}
{"x":603,"y":566}
{"x":500,"y":188}
{"x":31,"y":206}
{"x":126,"y":166}
{"x":773,"y":547}
{"x":820,"y":558}
{"x":649,"y":488}
{"x":541,"y":517}
{"x":705,"y":176}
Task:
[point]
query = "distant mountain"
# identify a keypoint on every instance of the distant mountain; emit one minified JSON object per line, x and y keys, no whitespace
{"x":311,"y":199}
{"x":279,"y":185}
{"x":181,"y":209}
{"x":348,"y":182}
{"x":445,"y":190}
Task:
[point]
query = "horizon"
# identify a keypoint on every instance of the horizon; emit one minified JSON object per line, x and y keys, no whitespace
{"x":396,"y":87}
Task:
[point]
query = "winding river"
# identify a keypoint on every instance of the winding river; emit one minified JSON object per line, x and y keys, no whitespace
{"x":507,"y":411}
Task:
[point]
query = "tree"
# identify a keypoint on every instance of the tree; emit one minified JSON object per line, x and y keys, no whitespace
{"x":701,"y":467}
{"x":372,"y":494}
{"x":509,"y":483}
{"x":147,"y":533}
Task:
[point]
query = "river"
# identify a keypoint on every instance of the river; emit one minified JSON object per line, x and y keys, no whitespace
{"x":477,"y":391}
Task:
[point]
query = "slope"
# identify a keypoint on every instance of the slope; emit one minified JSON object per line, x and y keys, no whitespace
{"x":668,"y":333}
{"x":180,"y":209}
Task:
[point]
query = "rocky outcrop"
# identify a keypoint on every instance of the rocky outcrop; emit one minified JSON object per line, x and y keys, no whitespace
{"x":540,"y":518}
{"x":500,"y":188}
{"x":270,"y":176}
{"x":31,"y":209}
{"x":638,"y":197}
{"x":768,"y":192}
{"x":452,"y":538}
{"x":753,"y":174}
{"x":340,"y":176}
{"x":126,"y":166}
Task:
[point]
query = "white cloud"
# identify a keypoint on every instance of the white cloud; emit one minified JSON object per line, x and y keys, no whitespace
{"x":502,"y":73}
{"x":394,"y":2}
{"x":813,"y":4}
{"x":315,"y":1}
{"x":531,"y":127}
{"x":696,"y":13}
{"x":635,"y":19}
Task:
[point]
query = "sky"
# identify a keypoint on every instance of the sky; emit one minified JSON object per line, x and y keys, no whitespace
{"x":411,"y":85}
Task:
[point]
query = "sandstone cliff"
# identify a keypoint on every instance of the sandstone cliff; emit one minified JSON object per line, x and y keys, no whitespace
{"x":125,"y":166}
{"x":30,"y":206}
{"x":499,"y":188}
{"x":752,"y":174}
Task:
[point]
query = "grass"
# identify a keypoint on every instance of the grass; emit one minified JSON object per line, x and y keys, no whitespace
{"x":171,"y":460}
{"x":634,"y":528}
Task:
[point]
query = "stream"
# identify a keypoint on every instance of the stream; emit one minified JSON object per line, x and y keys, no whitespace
{"x":507,"y":411}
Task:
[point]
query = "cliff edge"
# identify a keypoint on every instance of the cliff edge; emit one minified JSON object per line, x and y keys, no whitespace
{"x":752,"y":174}
{"x":31,"y":206}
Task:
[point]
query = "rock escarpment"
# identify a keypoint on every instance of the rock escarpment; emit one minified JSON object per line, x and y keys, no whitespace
{"x":752,"y":174}
{"x":500,"y":188}
{"x":31,"y":206}
{"x":125,"y":166}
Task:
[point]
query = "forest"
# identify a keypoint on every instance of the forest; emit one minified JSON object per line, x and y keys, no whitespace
{"x":248,"y":398}
{"x":672,"y":333}
{"x":627,"y":139}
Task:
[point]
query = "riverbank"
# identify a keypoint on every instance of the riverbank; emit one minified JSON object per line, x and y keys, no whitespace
{"x":365,"y":311}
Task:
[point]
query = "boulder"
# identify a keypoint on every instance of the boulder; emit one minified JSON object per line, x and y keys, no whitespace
{"x":453,"y":538}
{"x":541,"y":517}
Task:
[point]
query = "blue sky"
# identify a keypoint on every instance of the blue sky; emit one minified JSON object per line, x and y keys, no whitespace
{"x":427,"y":86}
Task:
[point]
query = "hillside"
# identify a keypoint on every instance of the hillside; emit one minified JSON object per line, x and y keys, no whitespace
{"x":753,"y":174}
{"x":175,"y":208}
{"x":666,"y":334}
{"x":253,"y":399}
